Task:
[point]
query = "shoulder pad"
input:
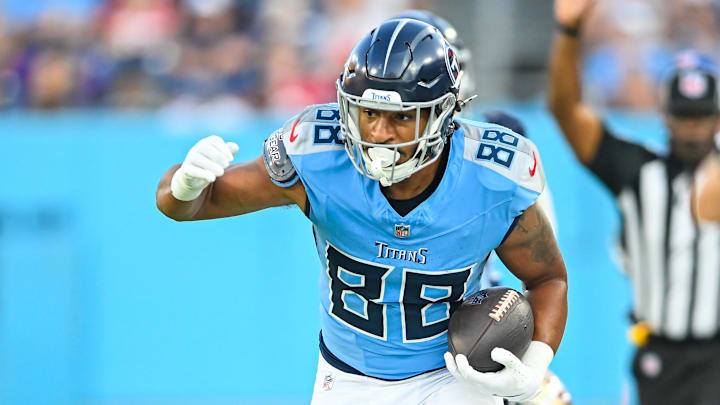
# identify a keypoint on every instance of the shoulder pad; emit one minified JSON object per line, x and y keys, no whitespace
{"x":316,"y":129}
{"x":277,"y":162}
{"x":502,"y":150}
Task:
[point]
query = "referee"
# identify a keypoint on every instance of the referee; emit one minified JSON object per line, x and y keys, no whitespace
{"x":673,"y":261}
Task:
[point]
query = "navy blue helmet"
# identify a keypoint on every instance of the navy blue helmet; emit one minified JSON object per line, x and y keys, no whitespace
{"x":448,"y":31}
{"x":402,"y":65}
{"x":464,"y":55}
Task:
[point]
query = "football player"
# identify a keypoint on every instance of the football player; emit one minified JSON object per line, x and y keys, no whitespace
{"x":406,"y":203}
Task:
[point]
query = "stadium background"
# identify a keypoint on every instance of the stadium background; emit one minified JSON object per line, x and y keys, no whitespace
{"x":105,"y":301}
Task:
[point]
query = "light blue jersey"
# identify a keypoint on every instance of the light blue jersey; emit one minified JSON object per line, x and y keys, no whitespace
{"x":389,"y":283}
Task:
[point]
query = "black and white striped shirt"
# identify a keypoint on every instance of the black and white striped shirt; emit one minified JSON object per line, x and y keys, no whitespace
{"x":673,"y":261}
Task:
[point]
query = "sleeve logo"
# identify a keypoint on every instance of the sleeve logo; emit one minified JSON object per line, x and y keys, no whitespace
{"x":497,"y":147}
{"x":496,"y":154}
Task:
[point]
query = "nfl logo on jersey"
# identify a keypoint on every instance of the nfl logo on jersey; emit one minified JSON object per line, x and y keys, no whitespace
{"x":402,"y":231}
{"x":328,"y":382}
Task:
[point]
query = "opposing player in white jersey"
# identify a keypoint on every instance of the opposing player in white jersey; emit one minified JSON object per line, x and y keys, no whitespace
{"x":406,"y":204}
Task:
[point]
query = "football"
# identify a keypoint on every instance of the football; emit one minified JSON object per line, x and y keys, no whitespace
{"x":494,"y":317}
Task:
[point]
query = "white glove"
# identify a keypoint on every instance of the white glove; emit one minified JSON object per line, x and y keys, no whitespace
{"x":520,"y":380}
{"x":205,"y":162}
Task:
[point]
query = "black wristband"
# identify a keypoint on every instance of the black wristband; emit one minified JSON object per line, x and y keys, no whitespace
{"x":569,"y":31}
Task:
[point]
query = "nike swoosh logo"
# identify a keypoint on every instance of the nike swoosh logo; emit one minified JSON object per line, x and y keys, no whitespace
{"x":293,"y":137}
{"x":532,"y":170}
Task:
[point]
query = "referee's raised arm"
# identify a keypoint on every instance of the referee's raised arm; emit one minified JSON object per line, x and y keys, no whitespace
{"x":580,"y":125}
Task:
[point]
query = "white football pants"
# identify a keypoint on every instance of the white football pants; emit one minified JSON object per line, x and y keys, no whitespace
{"x":335,"y":387}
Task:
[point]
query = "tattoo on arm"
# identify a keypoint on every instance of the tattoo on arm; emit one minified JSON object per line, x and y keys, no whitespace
{"x":521,"y":227}
{"x":540,"y":240}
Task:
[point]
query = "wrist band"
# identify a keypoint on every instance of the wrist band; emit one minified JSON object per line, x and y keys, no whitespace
{"x":569,"y":31}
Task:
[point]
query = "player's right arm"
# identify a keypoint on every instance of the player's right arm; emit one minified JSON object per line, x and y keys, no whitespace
{"x":580,"y":125}
{"x":205,"y":186}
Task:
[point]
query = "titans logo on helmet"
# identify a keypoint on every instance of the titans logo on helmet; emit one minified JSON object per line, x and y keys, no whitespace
{"x":452,"y":65}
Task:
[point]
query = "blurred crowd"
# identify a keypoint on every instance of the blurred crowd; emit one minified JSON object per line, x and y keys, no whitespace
{"x":245,"y":55}
{"x":184,"y":55}
{"x":632,"y":46}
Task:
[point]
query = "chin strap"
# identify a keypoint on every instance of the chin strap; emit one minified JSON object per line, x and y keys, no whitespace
{"x":462,"y":103}
{"x":379,"y":164}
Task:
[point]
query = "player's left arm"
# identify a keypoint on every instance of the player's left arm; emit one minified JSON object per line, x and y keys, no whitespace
{"x":531,"y":253}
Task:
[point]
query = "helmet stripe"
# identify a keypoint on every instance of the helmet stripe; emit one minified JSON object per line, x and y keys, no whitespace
{"x":398,"y":28}
{"x":429,"y":30}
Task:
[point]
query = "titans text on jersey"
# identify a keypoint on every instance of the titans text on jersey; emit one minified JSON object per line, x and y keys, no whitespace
{"x":387,"y":252}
